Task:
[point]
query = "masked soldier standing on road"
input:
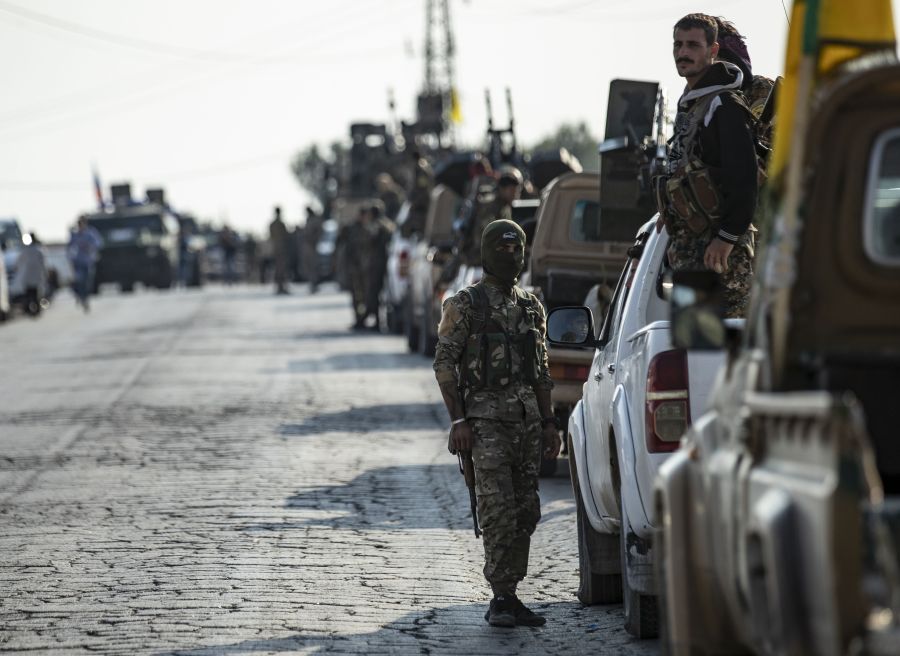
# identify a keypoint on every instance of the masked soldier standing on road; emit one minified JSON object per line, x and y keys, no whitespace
{"x":708,"y":198}
{"x":491,"y":365}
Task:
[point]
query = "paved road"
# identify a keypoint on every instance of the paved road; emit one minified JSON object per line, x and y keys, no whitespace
{"x":224,"y":471}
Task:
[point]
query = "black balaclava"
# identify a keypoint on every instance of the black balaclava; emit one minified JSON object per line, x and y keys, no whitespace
{"x":504,"y":266}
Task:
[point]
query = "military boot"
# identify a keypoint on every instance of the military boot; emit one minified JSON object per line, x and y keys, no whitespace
{"x":502,"y":611}
{"x":525,"y":616}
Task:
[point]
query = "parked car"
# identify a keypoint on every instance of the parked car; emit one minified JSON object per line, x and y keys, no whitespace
{"x":392,"y":304}
{"x":325,"y":250}
{"x":638,"y":400}
{"x":570,"y":259}
{"x":11,"y":245}
{"x":780,"y":514}
{"x":4,"y":289}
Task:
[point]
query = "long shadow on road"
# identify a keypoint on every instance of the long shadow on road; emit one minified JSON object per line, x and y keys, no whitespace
{"x":459,"y":629}
{"x":370,"y":418}
{"x":386,"y":498}
{"x":402,"y":497}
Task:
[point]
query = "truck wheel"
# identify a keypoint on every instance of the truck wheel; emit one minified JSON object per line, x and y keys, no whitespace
{"x":593,"y":588}
{"x":641,"y":611}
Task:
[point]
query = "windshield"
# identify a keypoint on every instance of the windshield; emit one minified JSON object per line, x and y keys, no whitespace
{"x":123,"y":230}
{"x":10,"y":233}
{"x":584,"y":224}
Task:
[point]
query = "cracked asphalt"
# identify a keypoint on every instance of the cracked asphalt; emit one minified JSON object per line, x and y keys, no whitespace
{"x":229,"y":472}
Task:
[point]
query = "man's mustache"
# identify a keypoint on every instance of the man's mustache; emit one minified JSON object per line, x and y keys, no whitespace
{"x":685,"y":60}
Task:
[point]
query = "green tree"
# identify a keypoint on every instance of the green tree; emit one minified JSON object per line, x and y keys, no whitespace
{"x":578,"y":140}
{"x":319,"y":172}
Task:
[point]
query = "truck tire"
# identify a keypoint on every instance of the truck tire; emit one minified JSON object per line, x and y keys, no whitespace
{"x":641,"y":611}
{"x":593,"y":588}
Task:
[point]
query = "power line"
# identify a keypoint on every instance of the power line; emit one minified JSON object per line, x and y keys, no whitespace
{"x":159,"y":92}
{"x":118,"y":39}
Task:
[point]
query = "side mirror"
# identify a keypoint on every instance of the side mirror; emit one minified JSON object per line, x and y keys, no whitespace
{"x":697,"y":310}
{"x":571,"y":326}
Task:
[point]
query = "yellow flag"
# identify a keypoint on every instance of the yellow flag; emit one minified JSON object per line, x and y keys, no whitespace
{"x":825,"y":34}
{"x":455,"y":110}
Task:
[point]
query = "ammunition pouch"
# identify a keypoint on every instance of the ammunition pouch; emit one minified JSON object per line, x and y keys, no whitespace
{"x":487,"y":361}
{"x":691,"y":195}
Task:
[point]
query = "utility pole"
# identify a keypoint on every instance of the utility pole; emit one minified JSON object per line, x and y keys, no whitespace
{"x":438,"y":91}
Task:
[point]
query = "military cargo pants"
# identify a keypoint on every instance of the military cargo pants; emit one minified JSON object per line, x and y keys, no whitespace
{"x":507,"y":462}
{"x":686,"y":251}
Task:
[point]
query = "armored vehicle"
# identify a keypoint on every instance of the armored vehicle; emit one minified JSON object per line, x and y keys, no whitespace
{"x":781,"y":510}
{"x":140,"y":243}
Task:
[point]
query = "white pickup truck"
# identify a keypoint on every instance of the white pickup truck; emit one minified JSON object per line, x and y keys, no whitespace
{"x":638,"y":400}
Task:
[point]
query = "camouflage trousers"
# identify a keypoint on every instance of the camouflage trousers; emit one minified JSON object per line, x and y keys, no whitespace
{"x":507,"y":462}
{"x":686,"y":250}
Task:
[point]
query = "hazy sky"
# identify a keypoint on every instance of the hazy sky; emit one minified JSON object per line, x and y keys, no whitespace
{"x":210,"y":98}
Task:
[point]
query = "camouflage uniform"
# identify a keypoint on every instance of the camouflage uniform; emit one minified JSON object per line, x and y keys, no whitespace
{"x":358,"y":256}
{"x":687,"y":246}
{"x":686,"y":251}
{"x":505,"y":419}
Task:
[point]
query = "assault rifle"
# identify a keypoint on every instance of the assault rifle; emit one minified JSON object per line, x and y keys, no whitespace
{"x":467,"y":469}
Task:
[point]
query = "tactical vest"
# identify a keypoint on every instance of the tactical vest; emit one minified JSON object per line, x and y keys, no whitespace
{"x":494,"y":358}
{"x":689,"y":191}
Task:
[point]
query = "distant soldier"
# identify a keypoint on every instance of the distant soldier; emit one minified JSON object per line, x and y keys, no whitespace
{"x":491,"y":365}
{"x":508,"y":189}
{"x":357,"y":255}
{"x":419,"y":196}
{"x":381,"y":232}
{"x":278,"y":236}
{"x":312,"y":234}
{"x":709,"y":196}
{"x":390,"y":194}
{"x":228,"y":242}
{"x":83,"y":252}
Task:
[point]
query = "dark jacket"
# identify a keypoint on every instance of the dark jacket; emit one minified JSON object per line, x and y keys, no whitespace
{"x":726,"y":146}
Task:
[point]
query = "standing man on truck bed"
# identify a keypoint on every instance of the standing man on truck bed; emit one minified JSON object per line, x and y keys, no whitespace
{"x":708,"y":198}
{"x":491,"y":365}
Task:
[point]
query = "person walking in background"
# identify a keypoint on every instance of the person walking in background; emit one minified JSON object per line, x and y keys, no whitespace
{"x":31,"y":274}
{"x":357,"y":256}
{"x":278,"y":236}
{"x":228,"y":242}
{"x":83,"y":251}
{"x":312,"y":233}
{"x":250,"y":263}
{"x":382,"y":230}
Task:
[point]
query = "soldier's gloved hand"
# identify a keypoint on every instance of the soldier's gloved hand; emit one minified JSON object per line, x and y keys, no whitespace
{"x":550,"y":442}
{"x":462,"y":438}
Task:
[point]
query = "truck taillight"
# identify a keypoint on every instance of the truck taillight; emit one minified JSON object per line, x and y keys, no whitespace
{"x":668,"y":411}
{"x":403,"y":264}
